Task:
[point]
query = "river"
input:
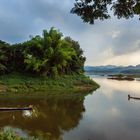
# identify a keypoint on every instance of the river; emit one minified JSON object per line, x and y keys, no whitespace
{"x":105,"y":114}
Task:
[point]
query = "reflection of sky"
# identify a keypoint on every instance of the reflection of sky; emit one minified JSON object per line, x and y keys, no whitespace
{"x":26,"y":113}
{"x":109,"y":115}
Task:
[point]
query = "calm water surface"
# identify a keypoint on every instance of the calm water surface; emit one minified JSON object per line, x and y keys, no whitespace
{"x":105,"y":114}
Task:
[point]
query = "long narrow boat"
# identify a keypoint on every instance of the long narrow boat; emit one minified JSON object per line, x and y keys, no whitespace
{"x":130,"y":97}
{"x":16,"y":108}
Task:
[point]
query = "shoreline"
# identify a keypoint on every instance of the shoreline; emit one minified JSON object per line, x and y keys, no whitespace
{"x":18,"y":83}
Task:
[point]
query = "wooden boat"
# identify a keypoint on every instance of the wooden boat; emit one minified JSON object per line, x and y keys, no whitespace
{"x":130,"y":97}
{"x":30,"y":107}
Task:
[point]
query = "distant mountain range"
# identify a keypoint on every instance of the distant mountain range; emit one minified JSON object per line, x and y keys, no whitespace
{"x":112,"y":69}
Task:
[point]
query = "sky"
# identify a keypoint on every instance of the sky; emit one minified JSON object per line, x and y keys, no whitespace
{"x":111,"y":42}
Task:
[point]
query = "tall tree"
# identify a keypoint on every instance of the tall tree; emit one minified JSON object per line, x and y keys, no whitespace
{"x":49,"y":54}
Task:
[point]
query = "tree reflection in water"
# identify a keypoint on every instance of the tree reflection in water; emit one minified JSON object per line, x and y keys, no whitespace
{"x":49,"y":119}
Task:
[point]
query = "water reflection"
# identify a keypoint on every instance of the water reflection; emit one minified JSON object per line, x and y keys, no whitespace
{"x":27,"y":113}
{"x":104,"y":115}
{"x":109,"y":115}
{"x":135,"y":98}
{"x":50,"y":117}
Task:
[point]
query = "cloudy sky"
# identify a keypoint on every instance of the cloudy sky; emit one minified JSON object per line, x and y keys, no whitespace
{"x":113,"y":41}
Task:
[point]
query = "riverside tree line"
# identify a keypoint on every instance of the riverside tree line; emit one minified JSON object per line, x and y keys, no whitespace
{"x":49,"y":55}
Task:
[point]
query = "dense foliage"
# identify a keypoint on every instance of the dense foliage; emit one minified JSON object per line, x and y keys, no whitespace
{"x":91,"y":10}
{"x":5,"y":56}
{"x":49,"y":55}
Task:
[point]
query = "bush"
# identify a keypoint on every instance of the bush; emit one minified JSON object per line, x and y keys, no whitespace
{"x":9,"y":134}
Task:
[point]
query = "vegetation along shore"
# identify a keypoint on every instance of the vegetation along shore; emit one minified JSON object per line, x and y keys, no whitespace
{"x":43,"y":63}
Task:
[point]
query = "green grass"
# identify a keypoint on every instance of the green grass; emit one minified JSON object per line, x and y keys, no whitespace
{"x":26,"y":83}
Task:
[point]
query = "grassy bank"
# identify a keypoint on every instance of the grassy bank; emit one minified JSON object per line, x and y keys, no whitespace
{"x":18,"y":83}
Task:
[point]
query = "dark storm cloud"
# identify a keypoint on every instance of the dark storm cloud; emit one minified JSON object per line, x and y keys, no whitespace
{"x":13,"y":21}
{"x":19,"y":19}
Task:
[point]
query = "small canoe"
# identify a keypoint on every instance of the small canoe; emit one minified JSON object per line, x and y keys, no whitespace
{"x":130,"y":97}
{"x":15,"y":108}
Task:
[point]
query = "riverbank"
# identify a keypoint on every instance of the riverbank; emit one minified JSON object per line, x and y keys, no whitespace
{"x":17,"y":83}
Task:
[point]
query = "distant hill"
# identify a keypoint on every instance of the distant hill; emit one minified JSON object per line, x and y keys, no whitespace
{"x":112,"y":69}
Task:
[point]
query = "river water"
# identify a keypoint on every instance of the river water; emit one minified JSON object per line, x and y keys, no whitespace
{"x":105,"y":114}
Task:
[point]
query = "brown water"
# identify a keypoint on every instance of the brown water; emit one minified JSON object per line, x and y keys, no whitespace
{"x":105,"y":114}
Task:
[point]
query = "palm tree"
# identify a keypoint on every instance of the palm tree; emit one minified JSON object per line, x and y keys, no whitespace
{"x":48,"y":55}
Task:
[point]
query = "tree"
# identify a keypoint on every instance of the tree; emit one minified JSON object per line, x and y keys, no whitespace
{"x":77,"y":62}
{"x":49,"y":54}
{"x":5,"y":56}
{"x":92,"y":10}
